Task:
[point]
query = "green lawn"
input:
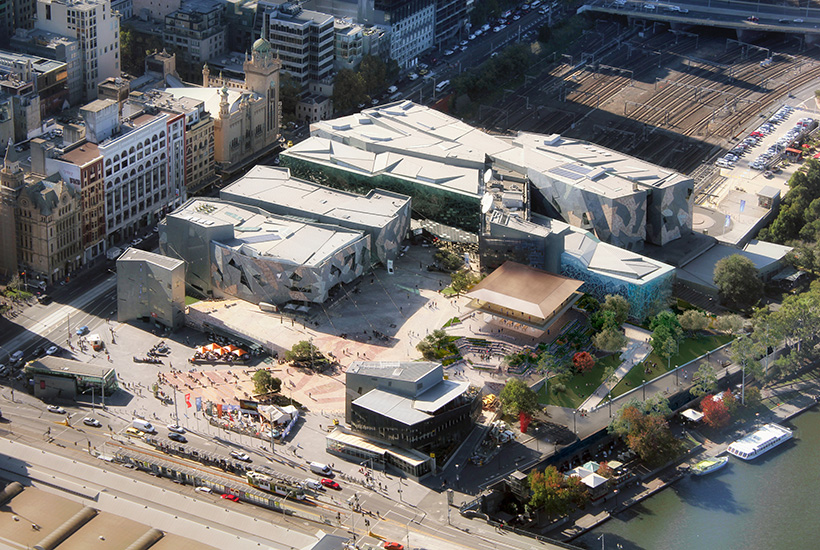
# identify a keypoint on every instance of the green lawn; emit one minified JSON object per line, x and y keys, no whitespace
{"x":579,"y":386}
{"x":190,"y":300}
{"x":690,"y":348}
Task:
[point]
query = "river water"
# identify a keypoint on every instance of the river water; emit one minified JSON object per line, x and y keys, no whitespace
{"x":770,"y":503}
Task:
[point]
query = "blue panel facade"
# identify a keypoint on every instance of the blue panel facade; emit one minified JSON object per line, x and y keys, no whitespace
{"x":645,"y":299}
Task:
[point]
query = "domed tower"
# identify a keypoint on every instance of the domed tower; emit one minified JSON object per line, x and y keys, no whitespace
{"x":262,"y":77}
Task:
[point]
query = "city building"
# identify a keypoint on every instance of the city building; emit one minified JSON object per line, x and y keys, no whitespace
{"x":81,"y":165}
{"x":49,"y":243}
{"x":12,"y":178}
{"x":348,"y":44}
{"x":622,"y":200}
{"x":196,"y":32}
{"x":200,"y":169}
{"x":58,"y":47}
{"x":383,"y":215}
{"x":303,"y":40}
{"x":449,"y":193}
{"x":409,"y":404}
{"x":96,"y":27}
{"x":523,"y":299}
{"x":130,"y":169}
{"x":14,"y":15}
{"x":59,"y":378}
{"x":248,"y":253}
{"x":47,"y":79}
{"x":150,"y":287}
{"x":154,"y":10}
{"x":125,"y":8}
{"x":646,"y":283}
{"x":451,"y":17}
{"x":350,"y":446}
{"x":25,"y":104}
{"x":412,"y":28}
{"x":246,"y":112}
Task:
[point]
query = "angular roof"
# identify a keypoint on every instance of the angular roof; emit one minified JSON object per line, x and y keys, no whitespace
{"x":526,"y":289}
{"x":411,"y":371}
{"x":277,"y":188}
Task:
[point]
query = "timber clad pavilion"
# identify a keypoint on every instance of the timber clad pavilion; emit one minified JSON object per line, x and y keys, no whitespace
{"x":523,"y":298}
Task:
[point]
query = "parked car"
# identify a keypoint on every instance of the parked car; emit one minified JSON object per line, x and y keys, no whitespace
{"x":393,"y":546}
{"x":55,"y":409}
{"x":203,"y":489}
{"x":232,"y":498}
{"x":93,"y":422}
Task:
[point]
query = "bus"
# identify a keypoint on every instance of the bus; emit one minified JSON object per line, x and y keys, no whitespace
{"x":441,"y":85}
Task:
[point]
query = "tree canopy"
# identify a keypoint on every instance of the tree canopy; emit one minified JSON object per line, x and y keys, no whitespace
{"x":265,"y":382}
{"x":693,"y":320}
{"x":349,"y":90}
{"x":738,"y":281}
{"x":554,"y":493}
{"x":730,"y":324}
{"x":583,"y":361}
{"x":610,"y":340}
{"x":715,"y":412}
{"x":290,"y":91}
{"x":646,"y":433}
{"x":666,"y":333}
{"x":704,"y":380}
{"x":517,"y":397}
{"x":434,"y":345}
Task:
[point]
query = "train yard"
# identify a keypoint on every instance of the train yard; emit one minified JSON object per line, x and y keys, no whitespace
{"x":675,"y":98}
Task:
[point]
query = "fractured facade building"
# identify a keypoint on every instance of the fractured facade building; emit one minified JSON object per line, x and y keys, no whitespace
{"x":248,"y":253}
{"x":150,"y":286}
{"x":383,"y":215}
{"x":526,"y":196}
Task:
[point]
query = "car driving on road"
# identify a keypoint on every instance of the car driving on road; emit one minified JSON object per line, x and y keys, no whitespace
{"x":93,"y":422}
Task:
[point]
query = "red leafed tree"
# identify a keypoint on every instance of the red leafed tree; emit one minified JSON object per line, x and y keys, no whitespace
{"x":715,"y":412}
{"x":524,"y":420}
{"x":583,"y":361}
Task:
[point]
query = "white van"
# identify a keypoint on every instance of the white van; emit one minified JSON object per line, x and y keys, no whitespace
{"x":441,"y":85}
{"x":143,"y":425}
{"x":312,"y":484}
{"x":320,"y":469}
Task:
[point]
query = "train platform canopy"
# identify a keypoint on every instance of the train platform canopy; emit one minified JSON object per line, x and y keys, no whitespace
{"x":519,"y":295}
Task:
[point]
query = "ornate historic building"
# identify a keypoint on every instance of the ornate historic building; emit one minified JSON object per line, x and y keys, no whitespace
{"x":246,"y":113}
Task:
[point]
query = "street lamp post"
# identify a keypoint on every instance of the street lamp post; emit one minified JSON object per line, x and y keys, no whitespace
{"x":610,"y":404}
{"x":676,"y":376}
{"x":644,"y":390}
{"x":574,"y":424}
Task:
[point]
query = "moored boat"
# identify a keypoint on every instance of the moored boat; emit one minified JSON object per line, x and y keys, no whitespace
{"x":709,"y":465}
{"x":763,"y":439}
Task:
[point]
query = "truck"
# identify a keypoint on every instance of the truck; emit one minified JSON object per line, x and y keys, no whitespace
{"x":95,"y":341}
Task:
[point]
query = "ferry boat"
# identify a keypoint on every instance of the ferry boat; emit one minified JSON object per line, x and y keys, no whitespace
{"x":755,"y":444}
{"x":709,"y":465}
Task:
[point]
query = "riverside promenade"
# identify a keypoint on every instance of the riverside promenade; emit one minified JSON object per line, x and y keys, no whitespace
{"x":784,"y":401}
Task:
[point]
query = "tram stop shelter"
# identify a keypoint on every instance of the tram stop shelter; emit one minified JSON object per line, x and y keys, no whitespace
{"x":523,"y":298}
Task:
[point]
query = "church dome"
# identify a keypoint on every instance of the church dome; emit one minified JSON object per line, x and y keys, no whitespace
{"x":261,"y":46}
